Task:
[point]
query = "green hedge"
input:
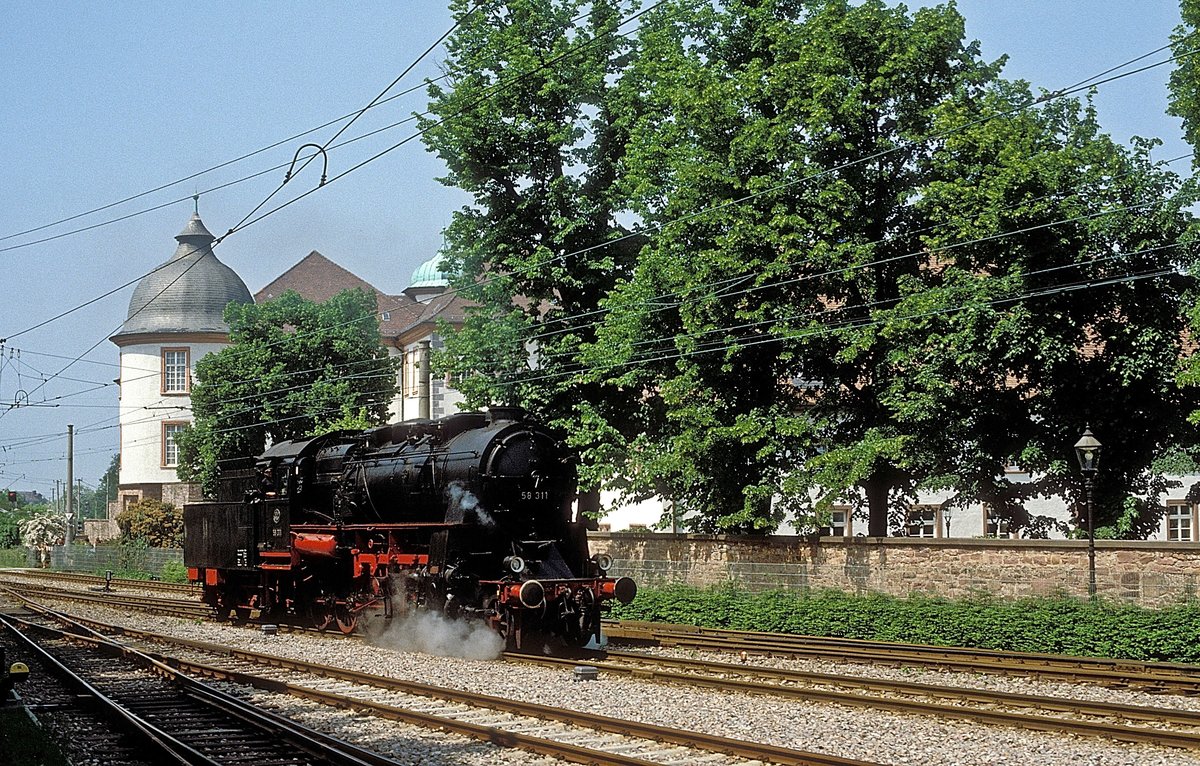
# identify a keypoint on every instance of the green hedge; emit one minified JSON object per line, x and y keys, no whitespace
{"x":14,"y":557}
{"x":1046,"y":625}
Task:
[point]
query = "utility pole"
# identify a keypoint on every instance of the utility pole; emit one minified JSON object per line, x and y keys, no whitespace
{"x":70,"y":488}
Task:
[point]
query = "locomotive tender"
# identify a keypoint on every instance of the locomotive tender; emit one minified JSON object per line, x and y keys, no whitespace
{"x":470,"y":515}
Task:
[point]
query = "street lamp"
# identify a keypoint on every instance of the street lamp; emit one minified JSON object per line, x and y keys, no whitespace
{"x":1087,"y":449}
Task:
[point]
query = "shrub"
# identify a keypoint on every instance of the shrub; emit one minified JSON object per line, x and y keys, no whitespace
{"x":173,"y":571}
{"x":159,"y":524}
{"x":1057,"y":625}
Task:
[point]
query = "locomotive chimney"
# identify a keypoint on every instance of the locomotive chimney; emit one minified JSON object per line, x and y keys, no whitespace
{"x":505,"y":413}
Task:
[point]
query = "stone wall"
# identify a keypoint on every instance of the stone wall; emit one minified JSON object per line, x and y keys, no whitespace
{"x":178,"y":494}
{"x":1146,"y":573}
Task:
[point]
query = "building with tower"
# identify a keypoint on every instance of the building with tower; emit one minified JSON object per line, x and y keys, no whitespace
{"x":176,"y":316}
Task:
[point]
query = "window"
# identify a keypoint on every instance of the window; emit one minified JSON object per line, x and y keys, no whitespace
{"x":993,"y":525}
{"x":921,"y":521}
{"x":412,"y":372}
{"x":839,"y":523}
{"x":170,"y":450}
{"x":1179,"y":522}
{"x":176,"y":378}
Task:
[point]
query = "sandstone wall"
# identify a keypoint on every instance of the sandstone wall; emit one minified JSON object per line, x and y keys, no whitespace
{"x":1146,"y":573}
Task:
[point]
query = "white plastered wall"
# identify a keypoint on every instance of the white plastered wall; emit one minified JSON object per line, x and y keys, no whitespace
{"x":144,"y":408}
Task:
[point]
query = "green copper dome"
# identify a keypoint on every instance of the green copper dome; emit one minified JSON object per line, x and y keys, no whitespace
{"x":429,"y":275}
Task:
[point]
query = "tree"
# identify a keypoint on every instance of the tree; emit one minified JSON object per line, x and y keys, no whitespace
{"x":106,"y":488}
{"x":532,"y":127}
{"x":293,"y":369}
{"x":42,"y":531}
{"x":159,"y":524}
{"x":865,"y":275}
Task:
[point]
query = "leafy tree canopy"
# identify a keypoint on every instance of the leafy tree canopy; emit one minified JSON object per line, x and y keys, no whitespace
{"x":294,"y":368}
{"x":871,"y":266}
{"x":531,"y":126}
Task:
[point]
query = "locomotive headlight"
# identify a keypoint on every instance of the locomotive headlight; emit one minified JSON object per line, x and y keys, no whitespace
{"x":603,"y":561}
{"x":515,"y":564}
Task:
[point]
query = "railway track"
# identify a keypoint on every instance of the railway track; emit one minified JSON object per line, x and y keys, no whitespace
{"x":1125,"y":723}
{"x":157,"y":715}
{"x":1155,"y":677}
{"x":174,"y":607}
{"x":1122,"y":722}
{"x":186,"y":589}
{"x":548,"y":730}
{"x":1169,"y":678}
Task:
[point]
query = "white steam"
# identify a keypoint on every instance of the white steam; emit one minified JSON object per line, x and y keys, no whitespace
{"x":434,"y":633}
{"x":463,"y":501}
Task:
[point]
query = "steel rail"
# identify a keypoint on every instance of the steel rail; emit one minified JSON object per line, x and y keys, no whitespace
{"x":1155,"y":676}
{"x":605,"y":724}
{"x":124,"y":582}
{"x":169,"y":606}
{"x":1023,"y":720}
{"x":1097,"y":709}
{"x":318,"y":744}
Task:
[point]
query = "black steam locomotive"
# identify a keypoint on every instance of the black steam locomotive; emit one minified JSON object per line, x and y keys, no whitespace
{"x":471,"y":515}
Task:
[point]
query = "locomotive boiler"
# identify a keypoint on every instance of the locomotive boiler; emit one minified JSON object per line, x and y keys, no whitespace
{"x":471,"y":515}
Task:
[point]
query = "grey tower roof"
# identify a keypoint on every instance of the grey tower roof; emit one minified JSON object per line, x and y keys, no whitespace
{"x":188,"y":293}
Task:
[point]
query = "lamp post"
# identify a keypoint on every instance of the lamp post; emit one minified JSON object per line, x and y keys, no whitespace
{"x":1087,"y":449}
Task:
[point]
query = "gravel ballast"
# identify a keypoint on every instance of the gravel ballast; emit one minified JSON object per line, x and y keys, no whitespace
{"x":847,"y":732}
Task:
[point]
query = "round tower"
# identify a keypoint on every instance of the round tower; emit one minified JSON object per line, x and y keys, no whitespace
{"x":176,"y":316}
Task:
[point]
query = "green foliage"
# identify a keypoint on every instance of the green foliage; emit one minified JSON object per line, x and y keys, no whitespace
{"x":132,"y":559}
{"x":106,"y":489}
{"x":1185,"y":80}
{"x":10,"y":531}
{"x":1045,"y":625}
{"x":856,"y":278}
{"x":294,"y":369}
{"x":14,"y":558}
{"x":157,"y":524}
{"x":533,"y":129}
{"x":173,"y":571}
{"x":881,"y":313}
{"x":42,"y":529}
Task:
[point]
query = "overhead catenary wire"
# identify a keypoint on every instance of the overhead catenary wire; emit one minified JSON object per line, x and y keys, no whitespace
{"x":661,"y":354}
{"x":215,"y":243}
{"x":192,"y":176}
{"x":504,"y":83}
{"x":1083,"y":85}
{"x":219,"y":239}
{"x":868,"y":158}
{"x":858,"y":323}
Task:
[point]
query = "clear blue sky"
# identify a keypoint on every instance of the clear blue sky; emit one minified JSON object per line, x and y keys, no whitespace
{"x":106,"y":100}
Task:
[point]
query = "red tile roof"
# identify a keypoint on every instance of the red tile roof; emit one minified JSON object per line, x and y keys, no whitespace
{"x":317,"y":278}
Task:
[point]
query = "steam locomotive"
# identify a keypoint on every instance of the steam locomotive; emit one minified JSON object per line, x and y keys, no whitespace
{"x":470,"y":515}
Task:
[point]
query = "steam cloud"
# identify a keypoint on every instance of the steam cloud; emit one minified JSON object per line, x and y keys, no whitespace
{"x":434,"y":633}
{"x":464,"y":501}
